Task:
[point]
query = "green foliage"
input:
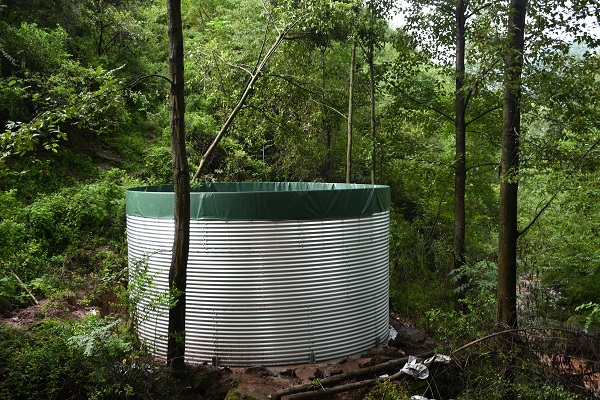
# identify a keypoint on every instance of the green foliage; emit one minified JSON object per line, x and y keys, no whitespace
{"x":59,"y":219}
{"x":55,"y":236}
{"x":93,"y":337}
{"x":593,"y":318}
{"x":75,"y":98}
{"x":34,"y":47}
{"x":480,"y":278}
{"x":457,"y":327}
{"x":388,"y":390}
{"x":91,"y":359}
{"x":409,"y":268}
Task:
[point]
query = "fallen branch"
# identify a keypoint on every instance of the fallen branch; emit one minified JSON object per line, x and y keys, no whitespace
{"x":509,"y":331}
{"x":341,"y":388}
{"x":249,"y":88}
{"x":333,"y":380}
{"x":24,"y":287}
{"x":488,"y":337}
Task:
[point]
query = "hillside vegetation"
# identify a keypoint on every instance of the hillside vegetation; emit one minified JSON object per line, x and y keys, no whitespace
{"x":84,"y":115}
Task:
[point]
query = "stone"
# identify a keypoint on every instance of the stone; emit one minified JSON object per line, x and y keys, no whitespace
{"x":350,"y":366}
{"x":364,"y":362}
{"x":307,"y":373}
{"x":332,"y":370}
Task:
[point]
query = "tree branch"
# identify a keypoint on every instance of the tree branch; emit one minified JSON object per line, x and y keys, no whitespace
{"x":290,"y":81}
{"x":475,"y":11}
{"x":437,"y":217}
{"x":483,"y":114}
{"x":245,"y":94}
{"x":141,"y":78}
{"x":482,"y":165}
{"x":473,"y":87}
{"x":24,"y":286}
{"x":333,"y":380}
{"x":264,"y":41}
{"x":422,"y":104}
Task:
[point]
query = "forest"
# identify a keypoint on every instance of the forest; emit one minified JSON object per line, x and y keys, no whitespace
{"x":482,"y":117}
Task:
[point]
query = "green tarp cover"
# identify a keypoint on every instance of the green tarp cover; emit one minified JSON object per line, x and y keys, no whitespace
{"x":263,"y":200}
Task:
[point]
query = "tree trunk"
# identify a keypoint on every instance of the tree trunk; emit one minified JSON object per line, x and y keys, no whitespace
{"x":372,"y":93}
{"x":460,"y":171}
{"x":177,"y":272}
{"x":325,"y":123}
{"x":511,"y":130}
{"x":350,"y":113}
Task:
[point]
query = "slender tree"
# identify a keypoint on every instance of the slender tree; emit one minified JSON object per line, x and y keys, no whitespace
{"x":350,"y":112}
{"x":460,"y":133}
{"x":372,"y":37}
{"x":181,"y":178}
{"x":509,"y":183}
{"x":447,"y":15}
{"x":370,"y":53}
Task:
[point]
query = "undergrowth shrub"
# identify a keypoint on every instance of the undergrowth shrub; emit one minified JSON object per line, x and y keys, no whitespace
{"x":417,"y":268}
{"x":92,"y":359}
{"x":457,"y":327}
{"x":388,"y":390}
{"x":497,"y":369}
{"x":62,"y":239}
{"x":592,"y":319}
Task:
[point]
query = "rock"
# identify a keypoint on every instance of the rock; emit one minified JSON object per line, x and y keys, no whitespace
{"x":375,"y":351}
{"x":377,"y":359}
{"x":393,"y":352}
{"x":262,"y":371}
{"x":307,"y":373}
{"x":232,"y":395}
{"x":332,"y":370}
{"x":409,"y":339}
{"x":364,"y":362}
{"x":350,"y":366}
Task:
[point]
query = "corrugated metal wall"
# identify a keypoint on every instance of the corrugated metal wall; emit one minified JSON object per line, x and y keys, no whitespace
{"x":269,"y":292}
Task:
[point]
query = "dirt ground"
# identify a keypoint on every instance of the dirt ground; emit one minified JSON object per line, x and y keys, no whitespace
{"x":266,"y":382}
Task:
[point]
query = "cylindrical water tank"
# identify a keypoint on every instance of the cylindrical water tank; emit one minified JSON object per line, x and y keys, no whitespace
{"x":278,"y":273}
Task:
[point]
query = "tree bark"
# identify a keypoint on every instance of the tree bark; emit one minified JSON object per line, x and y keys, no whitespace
{"x":460,"y":170}
{"x":371,"y":60}
{"x":325,"y":117}
{"x":509,"y":184}
{"x":350,"y":113}
{"x":181,"y":177}
{"x":372,"y":108}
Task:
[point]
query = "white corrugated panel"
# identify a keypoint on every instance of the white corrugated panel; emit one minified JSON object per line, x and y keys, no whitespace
{"x":268,"y":292}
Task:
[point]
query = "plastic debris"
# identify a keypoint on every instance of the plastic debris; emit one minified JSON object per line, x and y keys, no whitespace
{"x":417,"y":397}
{"x":384,"y":376}
{"x":438,"y":358}
{"x":417,"y":368}
{"x":393,"y":333}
